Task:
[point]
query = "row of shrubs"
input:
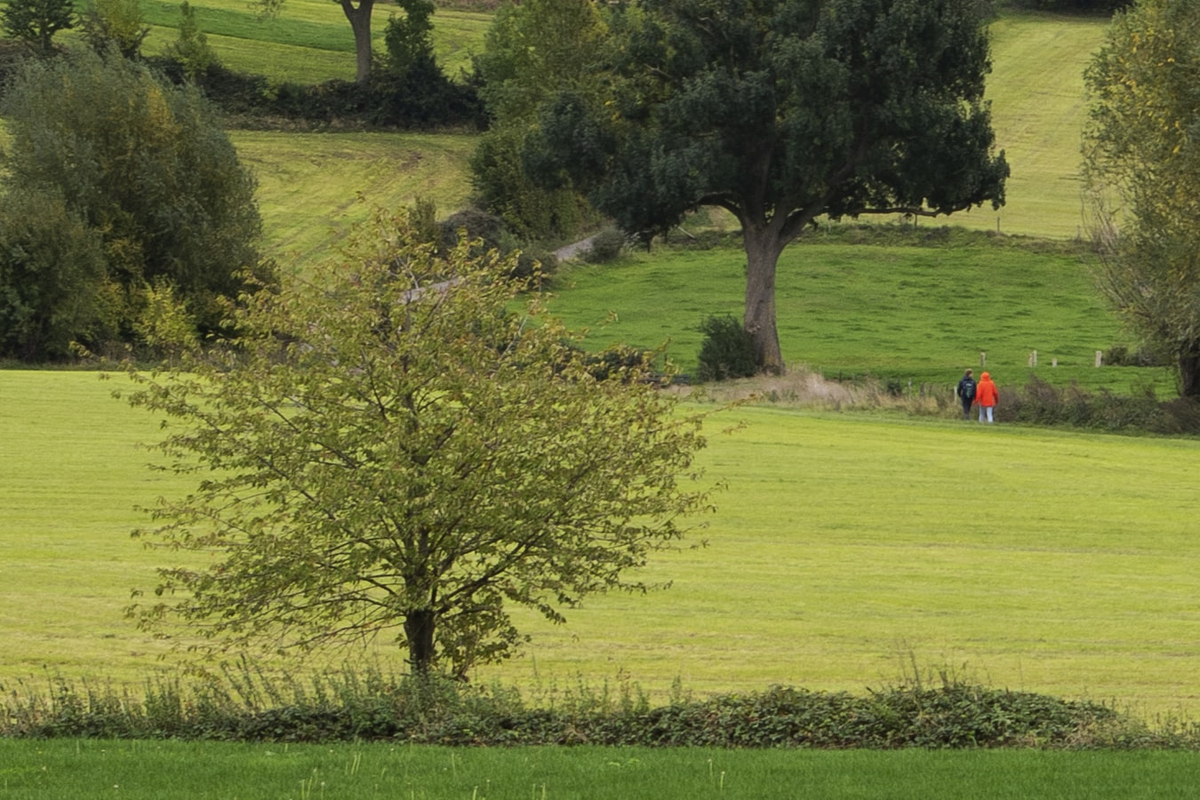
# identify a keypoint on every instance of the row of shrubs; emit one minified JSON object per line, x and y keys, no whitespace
{"x":353,"y":706}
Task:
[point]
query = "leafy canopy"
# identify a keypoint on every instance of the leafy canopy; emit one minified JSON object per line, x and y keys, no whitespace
{"x":143,"y":167}
{"x":1142,"y":162}
{"x":390,"y":450}
{"x":778,"y":111}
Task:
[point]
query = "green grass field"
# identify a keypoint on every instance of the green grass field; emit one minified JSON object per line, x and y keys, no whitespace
{"x":66,"y":770}
{"x":308,"y":181}
{"x":920,"y":313}
{"x":309,"y":41}
{"x":314,"y":187}
{"x":844,"y":547}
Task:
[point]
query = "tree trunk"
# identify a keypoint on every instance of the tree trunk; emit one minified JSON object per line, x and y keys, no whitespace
{"x":360,"y":23}
{"x":418,"y":630}
{"x":1189,"y":374}
{"x":763,"y":247}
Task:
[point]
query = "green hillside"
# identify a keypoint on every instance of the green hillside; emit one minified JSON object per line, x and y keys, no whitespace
{"x":309,"y":41}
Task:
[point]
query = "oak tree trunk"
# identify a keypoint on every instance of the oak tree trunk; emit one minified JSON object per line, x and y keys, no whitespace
{"x":1189,"y":374}
{"x":763,"y":247}
{"x":360,"y":23}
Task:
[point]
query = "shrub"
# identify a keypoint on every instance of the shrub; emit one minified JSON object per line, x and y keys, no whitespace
{"x":115,"y":24}
{"x":727,"y":350}
{"x":244,"y":704}
{"x":606,"y":246}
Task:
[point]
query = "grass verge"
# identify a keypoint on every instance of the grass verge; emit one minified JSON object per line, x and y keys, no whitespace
{"x":161,"y":770}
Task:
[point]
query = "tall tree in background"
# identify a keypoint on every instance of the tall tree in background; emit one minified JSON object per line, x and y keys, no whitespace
{"x":359,"y":17}
{"x":1142,"y":162}
{"x":779,"y":111}
{"x":532,"y":51}
{"x":392,"y":450}
{"x":36,"y":21}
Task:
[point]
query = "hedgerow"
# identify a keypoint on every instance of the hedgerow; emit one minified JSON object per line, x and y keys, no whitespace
{"x":246,"y":705}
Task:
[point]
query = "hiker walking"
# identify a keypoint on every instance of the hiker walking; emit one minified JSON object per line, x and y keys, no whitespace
{"x":965,"y":392}
{"x":987,"y":396}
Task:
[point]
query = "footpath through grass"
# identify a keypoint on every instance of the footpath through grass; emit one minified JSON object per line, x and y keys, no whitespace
{"x":66,"y":769}
{"x":845,"y":546}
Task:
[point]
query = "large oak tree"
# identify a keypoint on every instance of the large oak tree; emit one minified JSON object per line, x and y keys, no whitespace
{"x":779,"y":111}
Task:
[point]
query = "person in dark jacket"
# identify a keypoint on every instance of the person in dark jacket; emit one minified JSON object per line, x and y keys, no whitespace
{"x":965,"y":392}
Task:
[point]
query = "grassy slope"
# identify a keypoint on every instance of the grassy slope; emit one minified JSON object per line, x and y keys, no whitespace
{"x":910,"y":312}
{"x":309,"y":41}
{"x":1038,"y":110}
{"x":1040,"y":560}
{"x":313,"y":187}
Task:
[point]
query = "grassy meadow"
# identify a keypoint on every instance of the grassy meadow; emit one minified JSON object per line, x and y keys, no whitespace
{"x":846,"y":549}
{"x":308,"y":41}
{"x":912,"y":309}
{"x":314,"y":187}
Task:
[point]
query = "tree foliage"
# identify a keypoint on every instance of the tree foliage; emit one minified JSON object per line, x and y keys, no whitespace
{"x":392,"y":451}
{"x":778,"y":111}
{"x":191,"y":48}
{"x":143,"y":166}
{"x":36,"y":21}
{"x":52,"y":278}
{"x":531,"y":51}
{"x":1142,"y":161}
{"x":115,"y":24}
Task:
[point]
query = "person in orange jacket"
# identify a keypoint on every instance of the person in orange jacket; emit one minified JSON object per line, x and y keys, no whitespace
{"x":986,"y":395}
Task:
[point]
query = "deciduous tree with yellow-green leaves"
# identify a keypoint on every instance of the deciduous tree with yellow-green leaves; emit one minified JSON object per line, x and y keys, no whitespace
{"x":407,"y":447}
{"x":1142,"y":162}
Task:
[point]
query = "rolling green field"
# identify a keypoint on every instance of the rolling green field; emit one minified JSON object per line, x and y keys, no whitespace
{"x":920,"y":312}
{"x":314,"y":187}
{"x":845,"y":546}
{"x":309,"y":181}
{"x":192,"y":771}
{"x":309,"y":41}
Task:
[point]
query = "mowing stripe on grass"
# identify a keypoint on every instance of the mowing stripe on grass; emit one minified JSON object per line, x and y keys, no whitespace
{"x":845,"y":547}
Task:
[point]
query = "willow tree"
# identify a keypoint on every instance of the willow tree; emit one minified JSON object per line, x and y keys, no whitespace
{"x":394,"y":451}
{"x":1142,"y":161}
{"x":779,"y":111}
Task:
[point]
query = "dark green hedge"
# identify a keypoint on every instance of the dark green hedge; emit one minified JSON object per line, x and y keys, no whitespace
{"x":349,"y":707}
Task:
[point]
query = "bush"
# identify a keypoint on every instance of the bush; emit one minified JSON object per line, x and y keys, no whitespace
{"x":143,"y":165}
{"x":727,"y":350}
{"x":493,"y":234}
{"x":606,"y":246}
{"x":1039,"y":403}
{"x":246,"y":705}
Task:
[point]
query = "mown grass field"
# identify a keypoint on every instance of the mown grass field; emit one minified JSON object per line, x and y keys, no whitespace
{"x":920,"y":311}
{"x":308,"y":41}
{"x":65,"y":770}
{"x":846,"y":547}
